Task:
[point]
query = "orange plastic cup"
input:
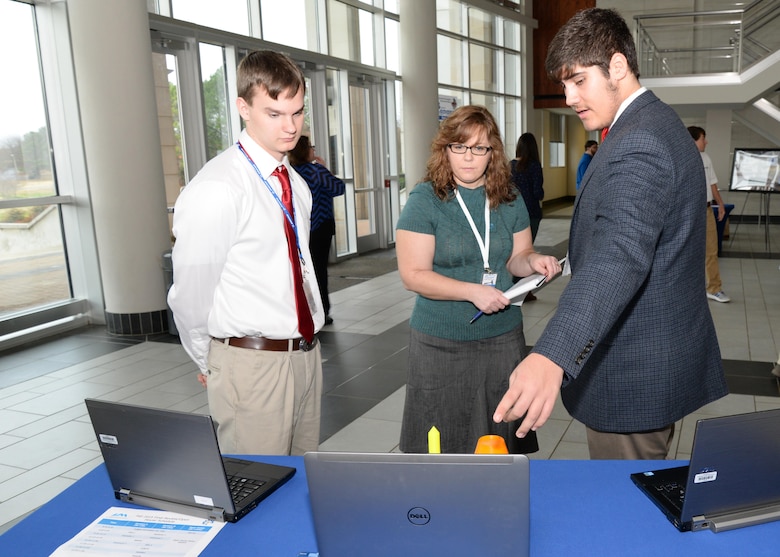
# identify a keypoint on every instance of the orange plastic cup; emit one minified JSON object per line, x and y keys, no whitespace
{"x":491,"y":444}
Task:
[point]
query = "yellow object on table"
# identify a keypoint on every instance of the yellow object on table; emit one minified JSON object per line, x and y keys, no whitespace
{"x":434,"y":441}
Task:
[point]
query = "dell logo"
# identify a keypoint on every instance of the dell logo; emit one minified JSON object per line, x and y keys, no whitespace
{"x":418,"y":516}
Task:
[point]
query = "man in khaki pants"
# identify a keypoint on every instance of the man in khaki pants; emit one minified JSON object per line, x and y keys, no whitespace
{"x":712,"y":270}
{"x":245,"y":297}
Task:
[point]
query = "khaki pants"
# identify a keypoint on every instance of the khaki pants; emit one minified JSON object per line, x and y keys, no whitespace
{"x":265,"y":402}
{"x":645,"y":445}
{"x":711,"y":269}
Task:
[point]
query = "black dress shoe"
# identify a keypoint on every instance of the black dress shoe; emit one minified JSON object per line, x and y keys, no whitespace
{"x":328,"y":320}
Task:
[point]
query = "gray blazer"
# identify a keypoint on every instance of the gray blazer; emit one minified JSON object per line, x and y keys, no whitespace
{"x":633,"y":331}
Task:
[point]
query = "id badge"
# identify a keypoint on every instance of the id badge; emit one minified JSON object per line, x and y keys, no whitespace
{"x":489,"y":278}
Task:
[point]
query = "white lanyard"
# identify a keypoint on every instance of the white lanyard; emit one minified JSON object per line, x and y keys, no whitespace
{"x":484,"y":247}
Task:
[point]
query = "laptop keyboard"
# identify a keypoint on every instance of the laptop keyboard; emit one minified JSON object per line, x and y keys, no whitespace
{"x":241,"y":488}
{"x":673,"y":492}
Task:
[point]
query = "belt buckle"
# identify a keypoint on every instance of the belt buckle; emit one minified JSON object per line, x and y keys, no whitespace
{"x":305,"y":345}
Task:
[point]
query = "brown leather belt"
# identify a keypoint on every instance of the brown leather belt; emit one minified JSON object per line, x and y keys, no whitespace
{"x":275,"y":345}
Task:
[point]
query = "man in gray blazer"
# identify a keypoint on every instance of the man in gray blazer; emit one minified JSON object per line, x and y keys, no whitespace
{"x":632,"y":347}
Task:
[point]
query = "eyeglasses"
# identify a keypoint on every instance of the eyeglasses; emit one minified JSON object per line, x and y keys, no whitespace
{"x":476,"y":150}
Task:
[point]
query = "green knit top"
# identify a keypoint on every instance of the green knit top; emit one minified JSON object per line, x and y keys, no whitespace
{"x":457,"y":255}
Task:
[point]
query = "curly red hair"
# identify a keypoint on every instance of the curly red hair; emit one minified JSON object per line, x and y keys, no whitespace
{"x":459,"y":127}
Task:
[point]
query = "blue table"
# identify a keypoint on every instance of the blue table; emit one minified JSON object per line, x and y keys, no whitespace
{"x":578,"y":508}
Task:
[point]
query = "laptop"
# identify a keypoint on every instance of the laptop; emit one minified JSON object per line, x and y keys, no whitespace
{"x":732,"y":481}
{"x":392,"y":504}
{"x":170,"y":460}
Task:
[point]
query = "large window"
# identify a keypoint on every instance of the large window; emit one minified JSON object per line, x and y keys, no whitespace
{"x":33,"y":260}
{"x":480,"y":62}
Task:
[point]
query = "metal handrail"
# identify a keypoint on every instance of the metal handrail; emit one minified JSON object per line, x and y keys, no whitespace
{"x":742,"y":32}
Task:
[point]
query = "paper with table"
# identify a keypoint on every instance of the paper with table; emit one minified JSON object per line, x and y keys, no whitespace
{"x":120,"y":532}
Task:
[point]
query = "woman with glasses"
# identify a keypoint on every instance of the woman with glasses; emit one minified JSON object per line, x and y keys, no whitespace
{"x":462,"y":235}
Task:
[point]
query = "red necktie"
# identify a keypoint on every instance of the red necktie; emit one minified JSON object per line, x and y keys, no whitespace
{"x":604,"y":133}
{"x":305,"y":323}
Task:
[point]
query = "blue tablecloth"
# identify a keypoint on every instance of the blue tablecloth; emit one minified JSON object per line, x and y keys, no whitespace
{"x":588,"y":508}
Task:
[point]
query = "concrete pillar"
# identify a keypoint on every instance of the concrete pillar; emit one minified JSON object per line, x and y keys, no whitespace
{"x":113,"y":65}
{"x":420,"y":84}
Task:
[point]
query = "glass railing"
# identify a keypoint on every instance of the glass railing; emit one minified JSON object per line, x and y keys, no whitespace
{"x":706,"y":42}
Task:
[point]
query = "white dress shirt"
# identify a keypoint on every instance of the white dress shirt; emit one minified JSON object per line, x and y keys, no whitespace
{"x":231,"y":271}
{"x":709,"y":173}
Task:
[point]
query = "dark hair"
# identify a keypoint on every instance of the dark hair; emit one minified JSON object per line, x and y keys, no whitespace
{"x":527,"y":150}
{"x":459,"y":126}
{"x":299,"y":154}
{"x":269,"y":70}
{"x":696,"y":132}
{"x":590,"y":38}
{"x":590,"y":143}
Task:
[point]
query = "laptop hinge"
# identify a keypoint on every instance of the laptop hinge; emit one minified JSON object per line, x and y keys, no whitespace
{"x":739,"y":519}
{"x":216,"y":514}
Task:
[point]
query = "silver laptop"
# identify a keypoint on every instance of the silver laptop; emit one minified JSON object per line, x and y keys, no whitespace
{"x":392,"y":504}
{"x":733,"y":479}
{"x":170,"y":460}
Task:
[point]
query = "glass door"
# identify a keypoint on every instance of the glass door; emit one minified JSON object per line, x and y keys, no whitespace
{"x":368,"y":188}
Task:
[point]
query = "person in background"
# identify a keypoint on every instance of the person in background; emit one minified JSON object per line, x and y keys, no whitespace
{"x":590,"y":149}
{"x":324,"y":187}
{"x":711,"y":267}
{"x":461,"y":236}
{"x":527,"y":177}
{"x":632,"y":347}
{"x":244,"y":295}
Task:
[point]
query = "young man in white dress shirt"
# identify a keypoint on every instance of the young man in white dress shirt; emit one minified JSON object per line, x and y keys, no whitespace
{"x":711,"y":267}
{"x":233,"y":296}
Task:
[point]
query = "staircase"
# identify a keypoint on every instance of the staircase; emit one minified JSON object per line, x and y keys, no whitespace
{"x":722,"y":58}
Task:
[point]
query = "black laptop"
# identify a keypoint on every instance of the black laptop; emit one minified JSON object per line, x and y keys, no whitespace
{"x":170,"y":460}
{"x":732,"y":481}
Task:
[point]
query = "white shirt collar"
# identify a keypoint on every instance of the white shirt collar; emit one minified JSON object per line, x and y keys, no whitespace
{"x":631,"y":98}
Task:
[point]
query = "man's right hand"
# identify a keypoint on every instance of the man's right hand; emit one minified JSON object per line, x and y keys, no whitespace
{"x":533,"y":390}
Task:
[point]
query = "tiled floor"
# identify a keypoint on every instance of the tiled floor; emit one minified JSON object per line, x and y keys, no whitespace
{"x":46,"y":442}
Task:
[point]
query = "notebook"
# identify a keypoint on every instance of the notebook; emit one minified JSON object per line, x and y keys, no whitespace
{"x":392,"y":504}
{"x":170,"y":460}
{"x":732,"y":479}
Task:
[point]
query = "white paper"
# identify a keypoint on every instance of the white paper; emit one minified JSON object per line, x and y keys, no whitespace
{"x":517,"y":292}
{"x":122,"y":532}
{"x":522,"y":287}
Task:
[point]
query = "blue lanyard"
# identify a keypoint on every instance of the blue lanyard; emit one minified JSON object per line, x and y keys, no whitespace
{"x":287,"y":214}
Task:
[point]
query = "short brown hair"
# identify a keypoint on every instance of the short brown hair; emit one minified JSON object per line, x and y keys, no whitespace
{"x":272,"y":71}
{"x":696,"y":132}
{"x":457,"y":128}
{"x":590,"y":38}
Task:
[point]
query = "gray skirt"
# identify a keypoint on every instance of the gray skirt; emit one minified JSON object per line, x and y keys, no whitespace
{"x":456,"y":386}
